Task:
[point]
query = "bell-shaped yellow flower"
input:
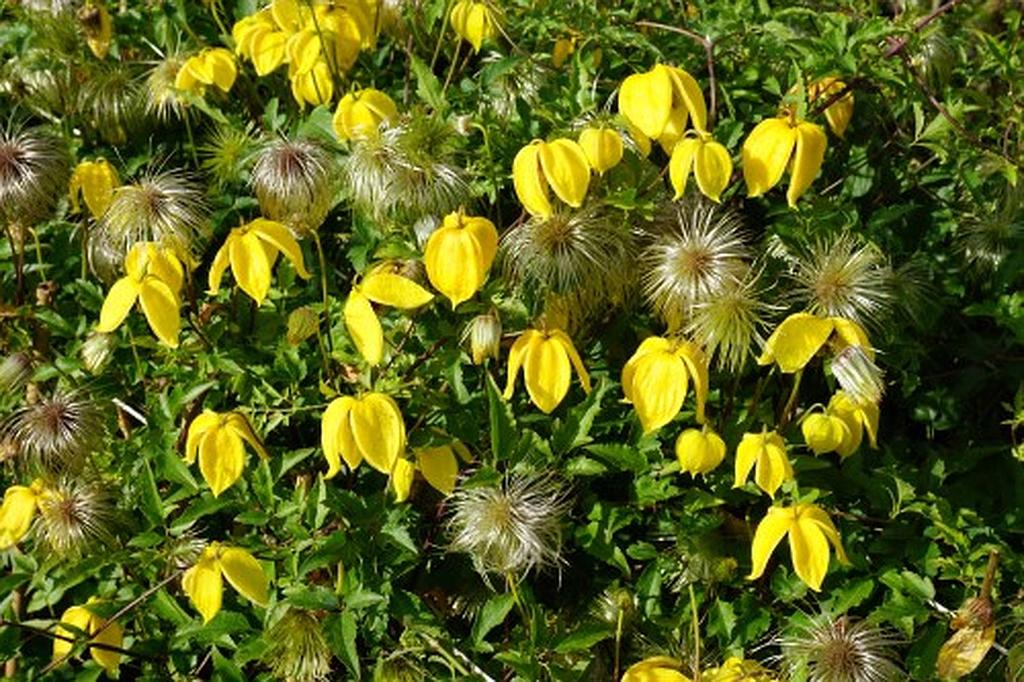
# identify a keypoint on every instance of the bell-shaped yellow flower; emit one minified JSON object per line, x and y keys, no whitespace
{"x":360,"y":114}
{"x":660,"y":103}
{"x":657,"y":377}
{"x":736,"y":669}
{"x":563,"y":49}
{"x":94,"y":181}
{"x":824,"y":432}
{"x":776,"y":144}
{"x":18,"y":510}
{"x":439,"y":468}
{"x":204,"y":582}
{"x":603,"y":147}
{"x":213,"y":66}
{"x":764,"y":452}
{"x":546,"y":358}
{"x":859,"y":417}
{"x":839,"y":113}
{"x":82,"y":619}
{"x":709,"y":162}
{"x":385,"y":288}
{"x":699,"y":451}
{"x":97,"y":27}
{"x":810,"y":531}
{"x":313,"y":87}
{"x":655,"y":669}
{"x":801,"y":335}
{"x":474,"y":21}
{"x":561,"y":165}
{"x":458,"y":255}
{"x":251,"y":250}
{"x":218,"y":439}
{"x":154,"y":277}
{"x":368,"y":428}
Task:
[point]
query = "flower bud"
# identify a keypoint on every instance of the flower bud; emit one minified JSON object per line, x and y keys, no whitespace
{"x":96,"y":352}
{"x":823,"y":433}
{"x":699,"y":452}
{"x":484,"y":337}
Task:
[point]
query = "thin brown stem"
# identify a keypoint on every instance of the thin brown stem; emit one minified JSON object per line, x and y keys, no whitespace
{"x":898,"y":45}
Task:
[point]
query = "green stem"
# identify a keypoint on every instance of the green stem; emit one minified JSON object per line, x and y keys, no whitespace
{"x":787,"y":409}
{"x":451,"y":68}
{"x":191,"y":139}
{"x":510,"y":579}
{"x":696,"y":634}
{"x":618,"y":643}
{"x":323,"y":291}
{"x":440,"y":35}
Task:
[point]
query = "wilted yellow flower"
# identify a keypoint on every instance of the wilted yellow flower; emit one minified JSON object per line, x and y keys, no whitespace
{"x":699,"y":451}
{"x":776,"y":144}
{"x":709,"y":161}
{"x":563,"y":49}
{"x":385,"y":288}
{"x":219,"y":441}
{"x":18,"y":510}
{"x":545,"y":358}
{"x":154,"y":277}
{"x":660,"y":102}
{"x":484,"y":337}
{"x":94,"y":181}
{"x":458,"y":255}
{"x":84,"y":619}
{"x":603,"y":147}
{"x":474,"y":21}
{"x":212,"y":66}
{"x":251,"y":250}
{"x":97,"y":27}
{"x":656,"y":379}
{"x":810,"y":532}
{"x":368,"y":428}
{"x":361,"y":113}
{"x":767,"y":452}
{"x":839,"y":113}
{"x":655,"y":669}
{"x":204,"y":582}
{"x":561,"y":165}
{"x":801,"y":335}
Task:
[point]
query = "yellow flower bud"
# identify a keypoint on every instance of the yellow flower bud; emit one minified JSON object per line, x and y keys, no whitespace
{"x":699,"y":452}
{"x":603,"y":147}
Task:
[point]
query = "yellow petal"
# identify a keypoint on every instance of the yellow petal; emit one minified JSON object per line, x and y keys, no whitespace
{"x":315,"y":87}
{"x":697,"y":365}
{"x":378,"y":430}
{"x":712,"y":168}
{"x":336,"y":436}
{"x":394,"y":290}
{"x":849,"y":333}
{"x":522,"y":347}
{"x":250,"y":266}
{"x":243,"y":429}
{"x":655,"y":669}
{"x":77,"y":617}
{"x":823,"y":433}
{"x":645,"y":99}
{"x":574,"y":357}
{"x":699,"y":452}
{"x":204,"y":586}
{"x":546,"y":372}
{"x":217,"y":268}
{"x":221,"y":459}
{"x":95,"y":181}
{"x":454,"y":263}
{"x":268,"y":51}
{"x":379,"y":104}
{"x":112,"y":635}
{"x":303,"y":50}
{"x":820,"y":517}
{"x":197,"y":430}
{"x":16,"y":513}
{"x":686,"y":91}
{"x":476,"y":25}
{"x":681,"y":164}
{"x":364,"y":327}
{"x":439,"y":467}
{"x":603,"y":147}
{"x":658,"y":389}
{"x":651,"y":344}
{"x":674,"y":129}
{"x":747,"y":453}
{"x":117,"y":304}
{"x":281,"y":238}
{"x":810,"y":152}
{"x":766,"y":153}
{"x":809,"y":551}
{"x":161,"y":307}
{"x":221,"y":66}
{"x":773,"y":466}
{"x":402,"y":477}
{"x":567,"y":171}
{"x":769,"y":533}
{"x":839,"y":112}
{"x":166,"y":267}
{"x":795,"y":341}
{"x":962,"y":653}
{"x":530,"y":185}
{"x":245,"y":574}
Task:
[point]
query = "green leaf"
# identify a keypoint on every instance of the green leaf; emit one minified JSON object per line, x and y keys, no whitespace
{"x":152,"y":507}
{"x":491,"y":616}
{"x":576,"y":429}
{"x":503,"y":426}
{"x":619,"y":457}
{"x":428,"y":87}
{"x":340,"y":630}
{"x":584,"y":638}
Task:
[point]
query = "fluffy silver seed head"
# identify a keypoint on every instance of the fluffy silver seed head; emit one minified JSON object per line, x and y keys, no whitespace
{"x":162,"y":99}
{"x":75,"y":517}
{"x":828,"y":649}
{"x":294,"y":182}
{"x":728,"y":324}
{"x":843,"y":278}
{"x":298,"y":650}
{"x":522,"y":82}
{"x":511,"y":528}
{"x":114,"y":102}
{"x":56,"y":432}
{"x":34,"y":171}
{"x":858,"y":375}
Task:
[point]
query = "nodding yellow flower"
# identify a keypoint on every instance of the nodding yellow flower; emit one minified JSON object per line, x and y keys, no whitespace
{"x":18,"y":509}
{"x":655,"y":669}
{"x":154,"y":277}
{"x":859,"y":416}
{"x":384,"y":288}
{"x":458,"y":255}
{"x":545,"y":358}
{"x":313,"y":87}
{"x":97,"y":27}
{"x":368,"y":428}
{"x":709,"y":161}
{"x":603,"y":147}
{"x":218,"y":439}
{"x":251,"y":250}
{"x":213,"y":66}
{"x":657,"y":377}
{"x":439,"y":468}
{"x":767,"y":452}
{"x":824,"y":432}
{"x":204,"y":582}
{"x":94,"y":181}
{"x":699,"y":451}
{"x":736,"y":669}
{"x":660,"y":103}
{"x":801,"y":335}
{"x":474,"y":21}
{"x":360,"y":114}
{"x":810,"y":531}
{"x":776,"y":144}
{"x":561,"y":165}
{"x":84,"y":619}
{"x":839,"y":113}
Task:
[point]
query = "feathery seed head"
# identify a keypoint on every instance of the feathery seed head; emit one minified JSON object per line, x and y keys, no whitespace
{"x":298,"y":650}
{"x":293,"y":181}
{"x":114,"y":102}
{"x":226,"y":153}
{"x":616,"y":607}
{"x":858,"y":375}
{"x":728,"y":323}
{"x":840,"y":278}
{"x":985,"y":241}
{"x":34,"y":171}
{"x":74,"y":517}
{"x":484,"y":333}
{"x":56,"y":432}
{"x":827,"y":649}
{"x":163,"y":99}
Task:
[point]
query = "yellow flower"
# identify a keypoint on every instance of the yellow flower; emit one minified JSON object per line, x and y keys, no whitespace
{"x":458,"y":255}
{"x":18,"y":510}
{"x":824,"y":432}
{"x":360,"y":114}
{"x":839,"y":113}
{"x":699,"y":451}
{"x":95,"y":182}
{"x":368,"y":428}
{"x":655,"y":669}
{"x":776,"y":144}
{"x":213,"y":66}
{"x":709,"y":162}
{"x":801,"y":335}
{"x":858,"y":417}
{"x":154,"y":277}
{"x":313,"y":87}
{"x":385,"y":288}
{"x":251,"y":250}
{"x":204,"y":582}
{"x":561,"y":165}
{"x":545,"y":358}
{"x":766,"y":451}
{"x":82,"y":619}
{"x":563,"y":49}
{"x":738,"y":670}
{"x":656,"y":379}
{"x":439,"y":468}
{"x":660,"y":102}
{"x":810,"y":532}
{"x":474,"y":21}
{"x":603,"y":147}
{"x":97,"y":27}
{"x":219,"y":441}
